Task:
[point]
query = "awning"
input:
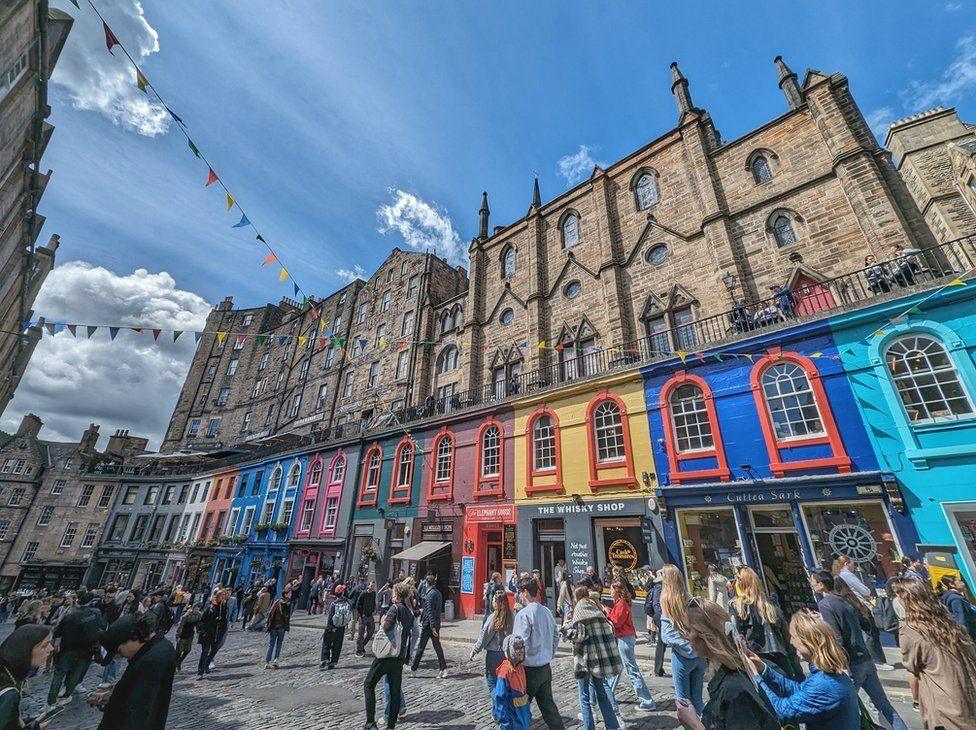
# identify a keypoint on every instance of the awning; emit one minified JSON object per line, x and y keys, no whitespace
{"x":422,"y":550}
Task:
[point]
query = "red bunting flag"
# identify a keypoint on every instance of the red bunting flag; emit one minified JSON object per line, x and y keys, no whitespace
{"x":240,"y":340}
{"x":212,"y":178}
{"x":110,"y":40}
{"x":156,"y":334}
{"x":269,"y":258}
{"x":72,"y":328}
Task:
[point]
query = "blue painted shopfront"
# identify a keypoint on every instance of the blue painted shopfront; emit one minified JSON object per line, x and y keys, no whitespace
{"x":762,"y":458}
{"x":915,"y":387}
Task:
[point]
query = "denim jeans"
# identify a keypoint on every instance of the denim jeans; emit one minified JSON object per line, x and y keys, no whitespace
{"x":593,"y":691}
{"x":688,"y":676}
{"x":865,"y":676}
{"x":111,"y":672}
{"x":386,"y":693}
{"x":492,"y":660}
{"x":626,"y":645}
{"x":276,"y":637}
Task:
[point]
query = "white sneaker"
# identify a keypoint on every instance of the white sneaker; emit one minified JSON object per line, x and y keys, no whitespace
{"x":621,"y":722}
{"x":267,"y":665}
{"x":443,"y":674}
{"x":212,"y":666}
{"x":82,"y":689}
{"x":105,"y":685}
{"x":886,"y":667}
{"x":409,"y":668}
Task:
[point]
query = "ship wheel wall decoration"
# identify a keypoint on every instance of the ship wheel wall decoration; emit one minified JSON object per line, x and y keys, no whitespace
{"x":854,"y":541}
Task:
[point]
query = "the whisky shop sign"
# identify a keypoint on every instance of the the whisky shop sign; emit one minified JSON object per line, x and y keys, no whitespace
{"x":601,"y":508}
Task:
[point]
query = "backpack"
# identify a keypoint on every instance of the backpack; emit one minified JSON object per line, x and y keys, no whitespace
{"x":387,"y":645}
{"x":88,"y":630}
{"x":340,"y":617}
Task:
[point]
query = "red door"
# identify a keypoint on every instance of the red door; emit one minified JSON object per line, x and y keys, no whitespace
{"x":810,"y":296}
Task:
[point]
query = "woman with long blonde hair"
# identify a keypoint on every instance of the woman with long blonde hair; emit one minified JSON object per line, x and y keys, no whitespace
{"x":939,"y":656}
{"x":687,"y":668}
{"x":825,"y":699}
{"x":762,"y":624}
{"x":498,"y":624}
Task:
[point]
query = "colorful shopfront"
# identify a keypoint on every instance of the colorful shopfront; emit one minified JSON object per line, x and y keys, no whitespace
{"x":489,"y":543}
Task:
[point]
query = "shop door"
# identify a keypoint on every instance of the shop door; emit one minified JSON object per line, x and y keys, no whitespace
{"x":777,"y":547}
{"x":547,"y":555}
{"x":493,"y":557}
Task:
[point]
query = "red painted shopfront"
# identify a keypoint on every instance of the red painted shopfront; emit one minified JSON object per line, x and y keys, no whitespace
{"x":488,"y":544}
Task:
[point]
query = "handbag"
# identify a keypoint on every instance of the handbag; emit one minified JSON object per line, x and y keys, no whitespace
{"x":386,"y":645}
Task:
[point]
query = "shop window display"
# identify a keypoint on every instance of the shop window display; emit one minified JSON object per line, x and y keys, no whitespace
{"x":710,"y":547}
{"x":860,"y":531}
{"x":621,"y":543}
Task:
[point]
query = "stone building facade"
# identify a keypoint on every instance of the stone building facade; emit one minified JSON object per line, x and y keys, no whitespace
{"x":933,"y":151}
{"x":32,"y":35}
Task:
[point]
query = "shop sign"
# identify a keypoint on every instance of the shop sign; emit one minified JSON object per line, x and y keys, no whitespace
{"x":585,"y":508}
{"x":770,"y":495}
{"x":579,"y":557}
{"x":467,"y":575}
{"x":309,"y":419}
{"x":437,"y":529}
{"x":509,"y":544}
{"x":490,"y":513}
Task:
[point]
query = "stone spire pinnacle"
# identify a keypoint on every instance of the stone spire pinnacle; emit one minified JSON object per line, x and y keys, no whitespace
{"x":483,"y":217}
{"x":536,"y":196}
{"x":679,"y":87}
{"x":788,"y":84}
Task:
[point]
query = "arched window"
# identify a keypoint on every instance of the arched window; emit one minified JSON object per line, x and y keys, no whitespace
{"x":508,"y":261}
{"x":608,"y":433}
{"x":315,"y":473}
{"x":448,"y":360}
{"x":442,"y":470}
{"x":338,"y":470}
{"x":543,"y":444}
{"x":458,"y":317}
{"x":372,"y":466}
{"x":926,"y":379}
{"x":646,"y":191}
{"x":761,"y":170}
{"x":689,"y":419}
{"x":491,"y":449}
{"x":294,"y":475}
{"x":446,"y":320}
{"x":275,"y":481}
{"x":402,"y":472}
{"x":571,"y":230}
{"x":783,"y":231}
{"x":790,"y":401}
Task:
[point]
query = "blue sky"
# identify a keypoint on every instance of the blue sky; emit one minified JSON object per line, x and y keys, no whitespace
{"x":315,"y":113}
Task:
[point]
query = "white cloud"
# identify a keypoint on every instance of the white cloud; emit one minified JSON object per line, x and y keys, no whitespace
{"x":880,"y":119}
{"x":131,"y":382}
{"x":423,"y":226}
{"x":578,"y":165}
{"x":350,"y":275}
{"x":106,"y":83}
{"x":956,"y":80}
{"x":952,"y":7}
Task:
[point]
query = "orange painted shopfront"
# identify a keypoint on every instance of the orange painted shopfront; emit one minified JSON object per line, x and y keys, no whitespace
{"x":488,"y":544}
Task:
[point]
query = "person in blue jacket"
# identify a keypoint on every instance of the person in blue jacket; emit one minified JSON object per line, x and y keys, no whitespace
{"x":954,"y":599}
{"x":826,"y":698}
{"x":510,"y":703}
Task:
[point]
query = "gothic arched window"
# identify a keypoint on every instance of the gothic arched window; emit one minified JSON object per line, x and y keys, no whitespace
{"x":571,"y":230}
{"x":646,"y":191}
{"x":761,"y":170}
{"x":783,"y":231}
{"x":508,"y":262}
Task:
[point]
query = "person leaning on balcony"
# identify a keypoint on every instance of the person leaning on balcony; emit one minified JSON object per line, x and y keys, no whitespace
{"x":261,"y":608}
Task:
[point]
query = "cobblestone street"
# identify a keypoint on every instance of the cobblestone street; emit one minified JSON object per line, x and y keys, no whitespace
{"x":242,"y":694}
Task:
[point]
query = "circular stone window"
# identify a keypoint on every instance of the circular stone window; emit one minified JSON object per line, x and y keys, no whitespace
{"x":572,"y":290}
{"x":657,"y":255}
{"x":507,"y":316}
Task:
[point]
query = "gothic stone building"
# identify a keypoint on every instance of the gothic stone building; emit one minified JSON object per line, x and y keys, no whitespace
{"x":31,"y":38}
{"x":647,"y":249}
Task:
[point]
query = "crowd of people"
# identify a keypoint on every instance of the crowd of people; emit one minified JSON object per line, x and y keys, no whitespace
{"x":736,"y":661}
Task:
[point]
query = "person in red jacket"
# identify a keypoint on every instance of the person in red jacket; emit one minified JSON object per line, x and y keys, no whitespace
{"x":622,"y":618}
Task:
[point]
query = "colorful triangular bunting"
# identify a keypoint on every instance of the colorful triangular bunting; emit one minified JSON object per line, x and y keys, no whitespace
{"x":110,"y":40}
{"x":242,"y":222}
{"x":141,"y":80}
{"x":211,"y":178}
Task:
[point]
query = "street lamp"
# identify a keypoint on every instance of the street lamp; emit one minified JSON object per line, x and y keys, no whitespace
{"x":729,"y":281}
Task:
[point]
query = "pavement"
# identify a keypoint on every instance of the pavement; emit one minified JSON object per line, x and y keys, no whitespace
{"x":240,"y":693}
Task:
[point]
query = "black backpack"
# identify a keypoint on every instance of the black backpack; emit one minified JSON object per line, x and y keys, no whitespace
{"x":88,"y":629}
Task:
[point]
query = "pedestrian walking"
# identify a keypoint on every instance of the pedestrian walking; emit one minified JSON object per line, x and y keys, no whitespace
{"x":913,"y":568}
{"x":353,"y":589}
{"x":385,"y":598}
{"x":762,"y":624}
{"x":861,"y":596}
{"x":397,"y":625}
{"x":336,"y":621}
{"x":954,"y":599}
{"x":497,"y":625}
{"x":491,"y":590}
{"x":233,"y":606}
{"x":262,"y":605}
{"x":177,"y":603}
{"x":430,"y":625}
{"x":247,"y":606}
{"x":652,"y":610}
{"x":510,"y":703}
{"x":141,"y":698}
{"x":622,"y":618}
{"x":733,"y":700}
{"x":687,"y":668}
{"x":939,"y":656}
{"x":535,"y":625}
{"x":314,"y":595}
{"x":844,"y":619}
{"x":185,"y":631}
{"x":365,"y":608}
{"x":209,"y":632}
{"x":162,"y":613}
{"x":279,"y":622}
{"x":596,"y":659}
{"x":826,"y":700}
{"x":78,"y":634}
{"x":566,"y":599}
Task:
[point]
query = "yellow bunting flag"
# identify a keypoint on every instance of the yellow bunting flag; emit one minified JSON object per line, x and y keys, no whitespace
{"x":956,"y":282}
{"x":382,"y":343}
{"x":880,"y":332}
{"x":221,"y":336}
{"x":682,"y":355}
{"x":141,"y":80}
{"x":816,"y":354}
{"x":542,"y":345}
{"x":302,"y":340}
{"x":283,"y":275}
{"x":230,"y":201}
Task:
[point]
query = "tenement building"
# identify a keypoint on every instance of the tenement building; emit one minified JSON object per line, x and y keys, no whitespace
{"x":646,"y":256}
{"x":32,"y":35}
{"x":935,"y":152}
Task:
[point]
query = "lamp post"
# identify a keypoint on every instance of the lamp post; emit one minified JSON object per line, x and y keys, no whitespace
{"x":729,"y":281}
